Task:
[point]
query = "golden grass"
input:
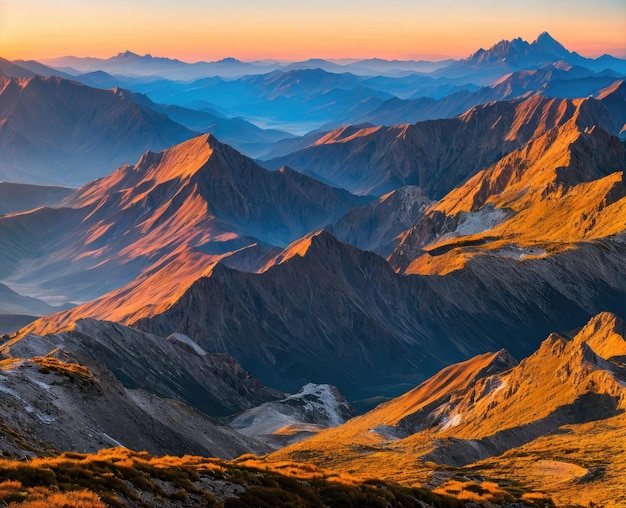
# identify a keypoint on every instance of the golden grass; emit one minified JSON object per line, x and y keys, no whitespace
{"x":43,"y":498}
{"x":11,"y":363}
{"x":71,"y":370}
{"x":483,"y":492}
{"x":581,"y":464}
{"x":119,"y":477}
{"x":13,"y":495}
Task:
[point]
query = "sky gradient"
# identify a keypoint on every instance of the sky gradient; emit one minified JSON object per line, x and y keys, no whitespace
{"x":194,"y":30}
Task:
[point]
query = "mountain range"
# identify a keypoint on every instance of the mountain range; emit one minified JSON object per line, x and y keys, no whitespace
{"x":170,"y":217}
{"x":346,"y":322}
{"x":128,"y":63}
{"x":482,"y":418}
{"x":438,"y":155}
{"x":493,"y":246}
{"x":85,"y":132}
{"x":59,"y":131}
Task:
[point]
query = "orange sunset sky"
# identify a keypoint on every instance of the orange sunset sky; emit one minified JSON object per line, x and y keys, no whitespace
{"x":292,"y":29}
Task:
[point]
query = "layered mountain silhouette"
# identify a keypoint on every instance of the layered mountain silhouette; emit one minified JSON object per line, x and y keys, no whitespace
{"x":167,"y":218}
{"x":438,"y":155}
{"x":558,"y":80}
{"x":518,"y":54}
{"x":298,"y":100}
{"x":129,"y":63}
{"x":58,"y":131}
{"x":237,"y":132}
{"x":316,"y":94}
{"x":133,"y":64}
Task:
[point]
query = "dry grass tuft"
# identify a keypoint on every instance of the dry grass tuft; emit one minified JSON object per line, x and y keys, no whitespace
{"x":73,"y":371}
{"x":43,"y":498}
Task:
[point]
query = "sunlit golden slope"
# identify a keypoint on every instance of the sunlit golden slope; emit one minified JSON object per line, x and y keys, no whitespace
{"x":452,"y":379}
{"x":563,"y":187}
{"x":480,"y":411}
{"x":153,"y":291}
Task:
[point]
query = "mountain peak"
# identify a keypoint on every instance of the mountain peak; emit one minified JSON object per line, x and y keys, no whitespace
{"x":501,"y":361}
{"x":605,"y":334}
{"x":229,"y":60}
{"x":181,"y":160}
{"x":302,"y":246}
{"x":545,"y":36}
{"x":127,"y":54}
{"x":519,"y":54}
{"x":549,"y":44}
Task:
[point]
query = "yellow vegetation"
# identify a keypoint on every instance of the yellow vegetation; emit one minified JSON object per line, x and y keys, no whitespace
{"x":547,"y":214}
{"x":71,"y":370}
{"x":13,"y":495}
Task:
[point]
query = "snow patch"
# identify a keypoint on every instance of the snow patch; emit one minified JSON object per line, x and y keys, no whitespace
{"x":41,"y":384}
{"x":452,"y":422}
{"x":318,"y":405}
{"x":114,"y":441}
{"x":326,"y":401}
{"x":44,"y":418}
{"x":183,"y":339}
{"x":486,"y":218}
{"x":499,"y":387}
{"x":262,"y":420}
{"x":47,"y":419}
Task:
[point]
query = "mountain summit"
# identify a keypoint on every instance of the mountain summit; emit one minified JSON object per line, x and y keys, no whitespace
{"x":487,"y":65}
{"x":517,"y":52}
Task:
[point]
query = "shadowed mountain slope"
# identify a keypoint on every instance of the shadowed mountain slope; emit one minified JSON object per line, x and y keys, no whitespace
{"x":102,"y":385}
{"x":58,"y":131}
{"x":329,"y":312}
{"x":376,"y":226}
{"x":437,"y":155}
{"x":168,"y":218}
